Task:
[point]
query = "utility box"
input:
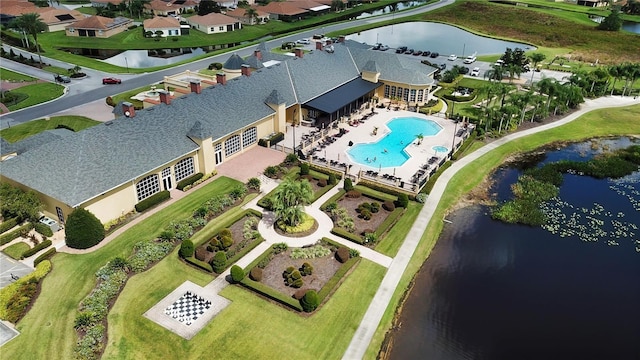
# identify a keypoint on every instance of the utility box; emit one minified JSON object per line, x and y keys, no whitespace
{"x":52,"y":224}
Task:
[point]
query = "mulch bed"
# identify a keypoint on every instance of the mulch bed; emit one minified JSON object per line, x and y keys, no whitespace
{"x":323,"y":269}
{"x":351,"y":204}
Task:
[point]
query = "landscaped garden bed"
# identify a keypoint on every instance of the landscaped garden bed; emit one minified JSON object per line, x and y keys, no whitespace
{"x":286,"y":275}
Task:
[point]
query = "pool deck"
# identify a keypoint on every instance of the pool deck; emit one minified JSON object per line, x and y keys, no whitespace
{"x":364,"y":133}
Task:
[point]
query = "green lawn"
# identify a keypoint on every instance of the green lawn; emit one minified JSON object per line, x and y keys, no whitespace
{"x":15,"y":251}
{"x":50,"y":321}
{"x":393,"y":240}
{"x":23,"y":131}
{"x":37,"y":94}
{"x":8,"y":75}
{"x":250,"y":328}
{"x":605,"y":122}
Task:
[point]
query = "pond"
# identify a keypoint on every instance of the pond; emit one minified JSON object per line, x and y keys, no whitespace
{"x":631,"y":26}
{"x":390,"y":8}
{"x":442,"y":38}
{"x":496,"y":291}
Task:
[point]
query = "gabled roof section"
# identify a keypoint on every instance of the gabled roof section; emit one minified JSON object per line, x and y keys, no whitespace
{"x":53,"y":16}
{"x":34,"y":141}
{"x":282,"y":8}
{"x":234,"y":62}
{"x":99,"y":23}
{"x":197,"y":131}
{"x":371,"y":66}
{"x":274,"y":98}
{"x":161,"y":22}
{"x":320,"y":72}
{"x":212,"y":19}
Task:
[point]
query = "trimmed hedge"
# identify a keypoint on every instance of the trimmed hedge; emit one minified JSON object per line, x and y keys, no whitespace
{"x":272,"y":294}
{"x":381,"y":188}
{"x":256,"y":274}
{"x":44,"y":256}
{"x":43,"y":245}
{"x":43,"y":229}
{"x":186,"y":248}
{"x":188,"y":181}
{"x":237,"y":274}
{"x":389,"y":222}
{"x":381,"y":195}
{"x":8,"y":237}
{"x":152,"y":201}
{"x":347,"y":235}
{"x":326,"y":171}
{"x":310,"y":301}
{"x":276,"y":138}
{"x":8,"y":224}
{"x":330,"y":285}
{"x":83,"y":229}
{"x":342,"y":254}
{"x":200,"y":264}
{"x":219,"y":262}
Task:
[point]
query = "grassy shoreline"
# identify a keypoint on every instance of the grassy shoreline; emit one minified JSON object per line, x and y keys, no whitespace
{"x":593,"y":124}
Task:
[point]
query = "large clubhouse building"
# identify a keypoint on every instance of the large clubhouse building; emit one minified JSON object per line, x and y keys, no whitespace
{"x":109,"y":168}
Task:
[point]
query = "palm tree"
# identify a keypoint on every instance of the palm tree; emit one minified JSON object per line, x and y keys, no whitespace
{"x":289,"y":198}
{"x":252,"y":14}
{"x":536,"y":58}
{"x":615,"y":71}
{"x":420,"y":137}
{"x":547,"y":86}
{"x":495,"y":73}
{"x":31,"y":24}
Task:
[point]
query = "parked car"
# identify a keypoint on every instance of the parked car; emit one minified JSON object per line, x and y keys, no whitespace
{"x":470,"y":59}
{"x":303,"y":41}
{"x":475,"y":71}
{"x":499,"y":62}
{"x":409,"y":51}
{"x":111,"y":80}
{"x":376,"y":46}
{"x":464,"y":70}
{"x":62,"y":79}
{"x":384,"y":48}
{"x":426,"y":53}
{"x":417,"y":53}
{"x":452,"y":57}
{"x":443,"y":66}
{"x":434,"y":54}
{"x":401,"y":49}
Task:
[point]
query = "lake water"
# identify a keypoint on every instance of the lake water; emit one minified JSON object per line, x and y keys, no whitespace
{"x":442,"y":38}
{"x":495,"y":291}
{"x":630,"y":26}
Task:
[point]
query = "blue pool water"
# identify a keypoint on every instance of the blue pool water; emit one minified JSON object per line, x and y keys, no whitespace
{"x":403,"y":132}
{"x":440,"y":149}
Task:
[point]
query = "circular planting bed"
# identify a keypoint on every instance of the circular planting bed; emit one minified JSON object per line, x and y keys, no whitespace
{"x":307,"y":227}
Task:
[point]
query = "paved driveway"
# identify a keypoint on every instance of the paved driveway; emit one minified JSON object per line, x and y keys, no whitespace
{"x":9,"y":267}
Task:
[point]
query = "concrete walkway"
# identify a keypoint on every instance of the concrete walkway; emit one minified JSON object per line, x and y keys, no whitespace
{"x":369,"y":324}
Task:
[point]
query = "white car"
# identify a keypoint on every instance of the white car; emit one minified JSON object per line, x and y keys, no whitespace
{"x":475,"y":71}
{"x":499,"y":62}
{"x":303,"y":41}
{"x":452,"y":57}
{"x":470,"y":59}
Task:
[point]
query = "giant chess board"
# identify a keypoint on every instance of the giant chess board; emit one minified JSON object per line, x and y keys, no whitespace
{"x":188,"y":308}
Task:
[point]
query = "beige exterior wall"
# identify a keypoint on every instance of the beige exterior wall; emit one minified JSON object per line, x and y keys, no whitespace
{"x":380,"y":92}
{"x":103,"y":34}
{"x":114,"y":203}
{"x":370,"y":76}
{"x":49,"y":203}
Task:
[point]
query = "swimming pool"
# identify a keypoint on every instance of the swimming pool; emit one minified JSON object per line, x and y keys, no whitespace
{"x":440,"y":148}
{"x":389,"y":151}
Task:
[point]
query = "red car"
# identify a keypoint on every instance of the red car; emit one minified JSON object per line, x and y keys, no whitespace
{"x":111,"y":80}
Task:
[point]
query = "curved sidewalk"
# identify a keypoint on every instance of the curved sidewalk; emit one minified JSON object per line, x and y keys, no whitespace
{"x":369,"y":324}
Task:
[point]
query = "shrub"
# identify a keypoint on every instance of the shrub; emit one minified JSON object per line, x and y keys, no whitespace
{"x":271,"y":171}
{"x":403,"y":200}
{"x":83,"y":229}
{"x":304,"y":169}
{"x":226,"y":242}
{"x":188,"y":181}
{"x":421,"y":198}
{"x":219,"y":262}
{"x":110,"y":101}
{"x":43,"y":245}
{"x":152,"y":201}
{"x":201,"y":253}
{"x":365,"y":214}
{"x":291,"y":159}
{"x":43,"y":229}
{"x":9,"y":224}
{"x":364,"y":206}
{"x":238,"y":192}
{"x":332,"y":179}
{"x":348,"y":185}
{"x":280,"y":247}
{"x":297,"y":283}
{"x":254,"y":183}
{"x":331,"y":206}
{"x":370,"y":237}
{"x":225,"y":232}
{"x":44,"y":256}
{"x":342,"y":254}
{"x":215,"y":65}
{"x":186,"y":249}
{"x":353,"y":253}
{"x":237,"y":274}
{"x":310,"y":301}
{"x":388,"y":205}
{"x":256,"y":274}
{"x":316,"y":251}
{"x":353,"y":194}
{"x":306,"y":269}
{"x":375,"y":207}
{"x":322,"y":182}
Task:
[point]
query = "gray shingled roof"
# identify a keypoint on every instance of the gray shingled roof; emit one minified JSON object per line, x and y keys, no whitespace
{"x":34,"y":141}
{"x":371,"y":66}
{"x":234,"y":62}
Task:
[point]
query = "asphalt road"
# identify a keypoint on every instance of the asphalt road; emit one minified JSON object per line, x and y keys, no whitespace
{"x":90,"y":89}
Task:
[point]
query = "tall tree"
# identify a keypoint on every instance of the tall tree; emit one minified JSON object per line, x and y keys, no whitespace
{"x":613,"y":22}
{"x":536,"y":58}
{"x":615,"y":71}
{"x":208,"y":7}
{"x":252,"y":14}
{"x":31,"y":24}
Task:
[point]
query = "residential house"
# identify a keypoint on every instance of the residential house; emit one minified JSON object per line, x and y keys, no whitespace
{"x":98,"y":26}
{"x":105,"y":3}
{"x":109,"y":168}
{"x":593,"y":3}
{"x":170,"y":7}
{"x":169,"y":26}
{"x":284,"y":11}
{"x":213,"y":23}
{"x":55,"y":19}
{"x":261,"y":17}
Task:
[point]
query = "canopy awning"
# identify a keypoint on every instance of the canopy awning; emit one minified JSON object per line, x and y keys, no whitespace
{"x":343,"y":95}
{"x":320,"y":8}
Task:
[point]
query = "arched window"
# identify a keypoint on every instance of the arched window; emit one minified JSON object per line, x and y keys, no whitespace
{"x":249,"y":137}
{"x":183,"y":168}
{"x":232,"y":145}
